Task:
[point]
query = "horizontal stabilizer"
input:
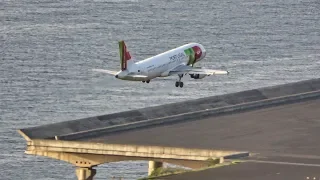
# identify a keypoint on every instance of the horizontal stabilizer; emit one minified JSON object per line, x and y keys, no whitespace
{"x":105,"y":71}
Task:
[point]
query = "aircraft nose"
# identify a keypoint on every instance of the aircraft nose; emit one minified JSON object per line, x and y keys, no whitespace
{"x":204,"y":53}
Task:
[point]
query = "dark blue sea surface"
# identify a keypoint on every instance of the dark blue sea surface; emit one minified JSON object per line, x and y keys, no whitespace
{"x":48,"y":49}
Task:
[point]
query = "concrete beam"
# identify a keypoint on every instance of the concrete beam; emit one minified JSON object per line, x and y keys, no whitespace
{"x":24,"y":135}
{"x":90,"y":160}
{"x":85,"y":162}
{"x":86,"y":155}
{"x":127,"y":150}
{"x":77,"y":159}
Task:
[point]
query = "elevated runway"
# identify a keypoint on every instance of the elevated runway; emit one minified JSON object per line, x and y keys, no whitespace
{"x":278,"y":125}
{"x":281,"y":139}
{"x":290,"y":128}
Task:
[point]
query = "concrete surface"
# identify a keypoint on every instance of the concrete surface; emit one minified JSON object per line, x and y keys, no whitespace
{"x":192,"y":116}
{"x":283,"y":139}
{"x":290,"y":128}
{"x":51,"y":130}
{"x":252,"y":171}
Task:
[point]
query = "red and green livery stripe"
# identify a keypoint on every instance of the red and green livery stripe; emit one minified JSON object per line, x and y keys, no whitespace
{"x":124,"y":55}
{"x":194,"y":54}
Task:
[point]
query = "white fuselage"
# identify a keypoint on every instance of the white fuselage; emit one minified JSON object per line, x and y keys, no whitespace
{"x":159,"y":65}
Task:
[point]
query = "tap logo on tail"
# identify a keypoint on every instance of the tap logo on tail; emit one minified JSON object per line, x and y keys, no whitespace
{"x":124,"y":55}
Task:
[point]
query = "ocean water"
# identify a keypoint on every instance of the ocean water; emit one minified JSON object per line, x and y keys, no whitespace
{"x":48,"y":49}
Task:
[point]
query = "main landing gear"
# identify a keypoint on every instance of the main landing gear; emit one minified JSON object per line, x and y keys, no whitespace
{"x":179,"y":83}
{"x":147,"y":81}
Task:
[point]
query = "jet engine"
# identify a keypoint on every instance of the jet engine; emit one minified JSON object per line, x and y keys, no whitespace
{"x":197,"y":76}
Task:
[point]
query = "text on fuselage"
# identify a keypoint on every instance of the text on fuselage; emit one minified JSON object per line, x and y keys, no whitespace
{"x":173,"y":59}
{"x":177,"y":57}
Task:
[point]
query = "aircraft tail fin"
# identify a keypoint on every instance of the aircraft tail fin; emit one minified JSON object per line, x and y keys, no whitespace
{"x":126,"y":60}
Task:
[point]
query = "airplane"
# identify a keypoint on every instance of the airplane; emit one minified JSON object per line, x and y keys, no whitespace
{"x":178,"y":61}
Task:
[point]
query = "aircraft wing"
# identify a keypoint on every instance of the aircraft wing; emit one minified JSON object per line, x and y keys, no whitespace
{"x":105,"y":71}
{"x":184,"y":69}
{"x":131,"y":76}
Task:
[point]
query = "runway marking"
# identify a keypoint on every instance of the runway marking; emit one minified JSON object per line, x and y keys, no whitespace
{"x":289,"y":155}
{"x":284,"y":163}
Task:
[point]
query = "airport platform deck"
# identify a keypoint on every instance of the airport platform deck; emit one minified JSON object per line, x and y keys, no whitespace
{"x":278,"y":125}
{"x":283,"y":141}
{"x":252,"y":171}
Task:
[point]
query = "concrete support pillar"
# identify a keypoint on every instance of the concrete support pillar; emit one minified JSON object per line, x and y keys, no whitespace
{"x":85,"y":173}
{"x":154,"y":165}
{"x":221,"y":160}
